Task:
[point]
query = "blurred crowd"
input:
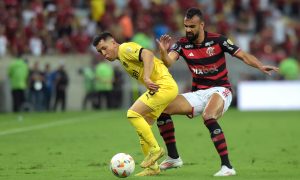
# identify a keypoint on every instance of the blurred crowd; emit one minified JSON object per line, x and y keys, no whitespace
{"x":268,"y":29}
{"x":103,"y":85}
{"x":36,"y":89}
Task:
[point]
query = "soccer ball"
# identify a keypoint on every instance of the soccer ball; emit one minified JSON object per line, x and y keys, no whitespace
{"x":122,"y":165}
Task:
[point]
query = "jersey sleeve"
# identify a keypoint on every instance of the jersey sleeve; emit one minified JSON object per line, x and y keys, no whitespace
{"x":176,"y":47}
{"x":228,"y":46}
{"x":131,"y":51}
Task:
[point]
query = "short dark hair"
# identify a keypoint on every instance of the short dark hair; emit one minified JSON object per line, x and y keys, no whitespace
{"x":191,"y":12}
{"x":103,"y":36}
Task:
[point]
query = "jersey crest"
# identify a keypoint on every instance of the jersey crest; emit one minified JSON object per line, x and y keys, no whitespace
{"x":210,"y":51}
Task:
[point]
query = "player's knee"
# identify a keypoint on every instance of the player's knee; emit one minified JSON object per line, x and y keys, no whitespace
{"x":132,"y":114}
{"x":133,"y":117}
{"x":167,"y":111}
{"x":208,"y":115}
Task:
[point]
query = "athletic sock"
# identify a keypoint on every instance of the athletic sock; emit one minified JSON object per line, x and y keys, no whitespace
{"x":144,"y":145}
{"x":143,"y":129}
{"x":219,"y":141}
{"x":167,"y":131}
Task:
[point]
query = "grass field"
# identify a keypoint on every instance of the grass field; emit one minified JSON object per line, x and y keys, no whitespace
{"x":79,"y":145}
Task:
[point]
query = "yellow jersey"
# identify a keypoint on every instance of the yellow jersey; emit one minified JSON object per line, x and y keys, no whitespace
{"x":130,"y":57}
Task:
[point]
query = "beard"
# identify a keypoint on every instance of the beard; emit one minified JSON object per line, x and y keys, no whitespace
{"x":191,"y":37}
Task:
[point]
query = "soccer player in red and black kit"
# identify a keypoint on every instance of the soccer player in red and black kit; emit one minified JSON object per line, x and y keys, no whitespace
{"x":211,"y":95}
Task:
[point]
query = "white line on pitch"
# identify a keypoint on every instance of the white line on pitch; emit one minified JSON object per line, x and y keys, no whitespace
{"x":42,"y":126}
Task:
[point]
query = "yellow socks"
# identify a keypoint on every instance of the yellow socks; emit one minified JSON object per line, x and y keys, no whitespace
{"x":145,"y":147}
{"x":144,"y":131}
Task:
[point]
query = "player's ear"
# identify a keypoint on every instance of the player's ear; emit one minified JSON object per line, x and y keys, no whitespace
{"x":113,"y":41}
{"x":202,"y":24}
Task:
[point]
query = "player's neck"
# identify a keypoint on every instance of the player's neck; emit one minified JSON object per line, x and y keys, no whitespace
{"x":201,"y":38}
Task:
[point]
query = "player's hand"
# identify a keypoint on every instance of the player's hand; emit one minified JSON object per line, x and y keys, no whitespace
{"x":164,"y":42}
{"x":268,"y":69}
{"x":151,"y":85}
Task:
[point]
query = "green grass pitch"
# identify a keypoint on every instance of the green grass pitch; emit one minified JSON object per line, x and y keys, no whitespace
{"x":79,"y":145}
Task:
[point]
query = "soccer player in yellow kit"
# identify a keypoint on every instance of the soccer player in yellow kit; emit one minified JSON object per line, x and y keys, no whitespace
{"x":162,"y":89}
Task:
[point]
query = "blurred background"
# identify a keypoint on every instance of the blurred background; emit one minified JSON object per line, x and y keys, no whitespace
{"x":46,"y":52}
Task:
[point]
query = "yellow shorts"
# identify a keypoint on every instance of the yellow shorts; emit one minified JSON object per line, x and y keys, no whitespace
{"x":167,"y":92}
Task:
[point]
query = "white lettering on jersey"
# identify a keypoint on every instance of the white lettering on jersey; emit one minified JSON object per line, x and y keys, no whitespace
{"x":188,"y":46}
{"x":205,"y":70}
{"x":228,"y":46}
{"x":209,"y":43}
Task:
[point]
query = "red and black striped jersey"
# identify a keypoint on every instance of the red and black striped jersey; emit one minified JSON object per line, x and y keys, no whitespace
{"x":206,"y":61}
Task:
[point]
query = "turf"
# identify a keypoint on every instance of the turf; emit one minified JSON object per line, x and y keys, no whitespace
{"x":79,"y":145}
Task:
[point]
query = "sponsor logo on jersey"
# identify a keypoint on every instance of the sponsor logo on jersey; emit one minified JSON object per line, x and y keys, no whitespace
{"x":209,"y":43}
{"x":227,"y":45}
{"x":210,"y":51}
{"x":205,"y":70}
{"x":188,"y":46}
{"x":191,"y":54}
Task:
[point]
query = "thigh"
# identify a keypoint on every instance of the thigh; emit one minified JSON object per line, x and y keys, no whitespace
{"x":219,"y":100}
{"x":159,"y":100}
{"x":197,"y":101}
{"x":214,"y":107}
{"x":144,"y":110}
{"x":179,"y":105}
{"x":141,"y":108}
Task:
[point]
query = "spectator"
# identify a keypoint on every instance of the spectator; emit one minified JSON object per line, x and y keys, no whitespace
{"x":61,"y":83}
{"x":126,"y":25}
{"x":80,"y":40}
{"x":104,"y":75}
{"x":18,"y":73}
{"x":289,"y":69}
{"x":49,"y":86}
{"x":117,"y":96}
{"x":144,"y":40}
{"x":97,"y":8}
{"x":36,"y":45}
{"x":3,"y":41}
{"x":36,"y":87}
{"x":89,"y":79}
{"x":64,"y":45}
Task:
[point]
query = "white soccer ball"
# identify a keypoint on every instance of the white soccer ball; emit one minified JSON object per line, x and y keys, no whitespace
{"x":122,"y":165}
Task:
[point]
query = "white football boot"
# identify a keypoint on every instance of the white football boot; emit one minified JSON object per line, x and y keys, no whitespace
{"x":225,"y":171}
{"x":170,"y":163}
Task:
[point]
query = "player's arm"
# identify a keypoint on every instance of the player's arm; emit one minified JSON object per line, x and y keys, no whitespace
{"x":164,"y":44}
{"x":147,"y":58}
{"x":229,"y":47}
{"x":254,"y":62}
